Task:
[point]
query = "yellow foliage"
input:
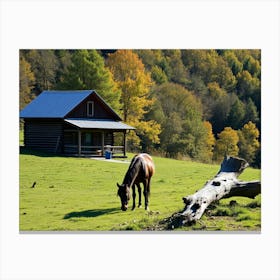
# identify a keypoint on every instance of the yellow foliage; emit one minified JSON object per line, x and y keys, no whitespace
{"x":226,"y":144}
{"x":26,"y":81}
{"x":215,"y":90}
{"x":210,"y":140}
{"x":134,"y":83}
{"x":248,"y":141}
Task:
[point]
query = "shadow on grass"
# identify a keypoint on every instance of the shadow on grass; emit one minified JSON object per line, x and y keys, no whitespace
{"x":26,"y":151}
{"x":91,"y":213}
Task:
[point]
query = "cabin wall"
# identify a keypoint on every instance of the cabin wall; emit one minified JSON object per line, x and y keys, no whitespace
{"x":43,"y":134}
{"x":100,"y":111}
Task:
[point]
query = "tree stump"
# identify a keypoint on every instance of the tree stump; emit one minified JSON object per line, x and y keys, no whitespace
{"x":224,"y":185}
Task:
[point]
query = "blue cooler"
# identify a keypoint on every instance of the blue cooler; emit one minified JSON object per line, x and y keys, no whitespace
{"x":108,"y":154}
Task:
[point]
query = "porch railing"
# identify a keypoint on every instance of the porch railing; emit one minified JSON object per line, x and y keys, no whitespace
{"x":94,"y":150}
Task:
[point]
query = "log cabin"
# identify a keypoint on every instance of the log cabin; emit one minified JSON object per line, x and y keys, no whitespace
{"x":77,"y":122}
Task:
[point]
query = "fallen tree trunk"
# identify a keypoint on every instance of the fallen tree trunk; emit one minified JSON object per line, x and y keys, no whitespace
{"x":224,"y":185}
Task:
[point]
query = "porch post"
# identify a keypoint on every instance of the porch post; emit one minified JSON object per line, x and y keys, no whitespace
{"x":79,"y":142}
{"x":102,"y":143}
{"x":124,"y":143}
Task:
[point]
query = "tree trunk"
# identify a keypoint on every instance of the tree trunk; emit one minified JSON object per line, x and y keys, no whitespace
{"x":223,"y":185}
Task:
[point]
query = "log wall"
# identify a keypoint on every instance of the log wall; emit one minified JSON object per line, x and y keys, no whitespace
{"x":44,"y":135}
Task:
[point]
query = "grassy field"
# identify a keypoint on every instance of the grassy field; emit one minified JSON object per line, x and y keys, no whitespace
{"x":80,"y":194}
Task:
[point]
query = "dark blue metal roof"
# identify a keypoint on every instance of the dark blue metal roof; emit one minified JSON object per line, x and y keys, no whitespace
{"x":54,"y":104}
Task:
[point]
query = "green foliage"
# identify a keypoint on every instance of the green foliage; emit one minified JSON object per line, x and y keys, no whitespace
{"x":180,"y":114}
{"x":236,"y":114}
{"x":158,"y":75}
{"x":210,"y":66}
{"x":235,"y":65}
{"x":79,"y":194}
{"x":248,"y":86}
{"x":251,"y":112}
{"x":44,"y":65}
{"x":137,"y":90}
{"x":88,"y":71}
{"x":218,"y":112}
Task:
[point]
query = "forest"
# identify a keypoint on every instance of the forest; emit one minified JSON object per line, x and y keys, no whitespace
{"x":185,"y":104}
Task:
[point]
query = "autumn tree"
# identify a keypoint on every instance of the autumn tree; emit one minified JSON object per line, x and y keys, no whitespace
{"x":209,"y":141}
{"x":235,"y":65}
{"x":210,"y":66}
{"x":88,"y":71}
{"x":134,"y":83}
{"x":44,"y":65}
{"x":226,"y":144}
{"x":215,"y":91}
{"x":26,"y":82}
{"x":248,"y":141}
{"x":157,"y":63}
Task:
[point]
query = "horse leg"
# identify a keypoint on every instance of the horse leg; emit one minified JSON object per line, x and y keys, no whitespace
{"x":146,"y":194}
{"x":139,"y":194}
{"x":133,"y":196}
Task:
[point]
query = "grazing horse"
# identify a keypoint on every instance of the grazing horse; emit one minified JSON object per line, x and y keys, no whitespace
{"x":140,"y":170}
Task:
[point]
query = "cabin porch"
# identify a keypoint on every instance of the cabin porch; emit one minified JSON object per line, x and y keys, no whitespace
{"x":95,"y":143}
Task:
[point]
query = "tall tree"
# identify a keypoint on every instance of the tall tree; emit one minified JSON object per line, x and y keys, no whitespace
{"x":88,"y":71}
{"x":251,"y":112}
{"x":219,"y":110}
{"x":236,"y":114}
{"x":26,"y":82}
{"x":210,"y":66}
{"x":209,"y":141}
{"x":178,"y":73}
{"x":235,"y":65}
{"x":44,"y":65}
{"x":226,"y":144}
{"x":64,"y":61}
{"x":179,"y":112}
{"x":134,"y":83}
{"x":248,"y":86}
{"x":248,"y":142}
{"x":158,"y":75}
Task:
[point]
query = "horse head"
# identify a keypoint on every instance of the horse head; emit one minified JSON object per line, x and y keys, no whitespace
{"x":124,"y":194}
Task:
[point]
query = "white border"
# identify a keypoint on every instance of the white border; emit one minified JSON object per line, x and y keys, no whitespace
{"x":133,"y":24}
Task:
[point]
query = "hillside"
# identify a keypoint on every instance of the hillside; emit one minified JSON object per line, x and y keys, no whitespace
{"x":196,"y":103}
{"x":80,"y":194}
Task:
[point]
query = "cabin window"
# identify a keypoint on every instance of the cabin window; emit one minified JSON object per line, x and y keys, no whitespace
{"x":90,"y":108}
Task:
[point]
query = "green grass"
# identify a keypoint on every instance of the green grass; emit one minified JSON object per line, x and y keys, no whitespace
{"x":80,"y":194}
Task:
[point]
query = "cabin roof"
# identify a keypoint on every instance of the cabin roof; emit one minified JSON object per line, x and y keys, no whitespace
{"x":99,"y":124}
{"x":57,"y":104}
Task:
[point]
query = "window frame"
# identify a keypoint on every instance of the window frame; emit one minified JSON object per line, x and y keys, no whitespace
{"x":90,"y":107}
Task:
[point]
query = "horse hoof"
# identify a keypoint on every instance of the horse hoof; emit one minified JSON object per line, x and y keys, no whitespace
{"x":133,"y":208}
{"x":140,"y":206}
{"x":147,"y":209}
